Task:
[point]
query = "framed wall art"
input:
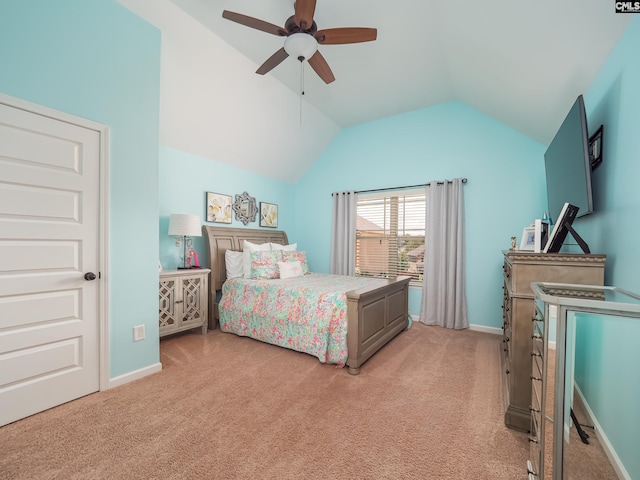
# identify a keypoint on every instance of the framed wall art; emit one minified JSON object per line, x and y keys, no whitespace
{"x":219,"y":207}
{"x":268,"y":215}
{"x":595,"y":148}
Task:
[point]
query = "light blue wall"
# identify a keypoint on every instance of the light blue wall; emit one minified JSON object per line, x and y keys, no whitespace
{"x":97,"y":60}
{"x":506,"y":189}
{"x":184,"y":181}
{"x":607,"y":368}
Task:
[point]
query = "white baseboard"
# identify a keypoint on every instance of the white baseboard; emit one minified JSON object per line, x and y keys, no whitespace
{"x":485,"y":329}
{"x":135,"y":375}
{"x":602,"y":437}
{"x":478,"y":328}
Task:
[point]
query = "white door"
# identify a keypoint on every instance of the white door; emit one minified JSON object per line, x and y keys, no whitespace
{"x":49,"y":230}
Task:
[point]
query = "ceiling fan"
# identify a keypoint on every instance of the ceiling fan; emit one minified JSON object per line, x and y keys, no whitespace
{"x":303,"y":38}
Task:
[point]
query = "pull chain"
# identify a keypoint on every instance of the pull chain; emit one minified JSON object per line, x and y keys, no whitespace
{"x":301,"y":87}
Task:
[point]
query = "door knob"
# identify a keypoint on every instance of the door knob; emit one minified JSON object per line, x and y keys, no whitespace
{"x":89,"y":276}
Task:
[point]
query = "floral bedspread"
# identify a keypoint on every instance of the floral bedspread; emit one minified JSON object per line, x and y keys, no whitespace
{"x":307,"y":314}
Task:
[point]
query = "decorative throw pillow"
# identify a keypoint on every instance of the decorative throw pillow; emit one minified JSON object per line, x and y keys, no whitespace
{"x":247,"y":248}
{"x":264,"y":265}
{"x":290,"y":269}
{"x":234,"y":263}
{"x":297,"y":257}
{"x":285,"y":248}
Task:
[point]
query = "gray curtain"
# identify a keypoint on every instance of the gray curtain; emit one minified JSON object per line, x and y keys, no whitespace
{"x":444,"y":300}
{"x":343,"y":233}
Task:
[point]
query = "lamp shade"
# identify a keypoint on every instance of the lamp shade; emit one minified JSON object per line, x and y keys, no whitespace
{"x":181,"y":224}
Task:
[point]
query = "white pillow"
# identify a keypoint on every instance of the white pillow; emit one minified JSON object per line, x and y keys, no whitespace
{"x":290,"y":269}
{"x":285,"y":248}
{"x":234,"y":262}
{"x":247,"y":248}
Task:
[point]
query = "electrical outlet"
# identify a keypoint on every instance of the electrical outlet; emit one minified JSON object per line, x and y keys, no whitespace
{"x":138,"y":333}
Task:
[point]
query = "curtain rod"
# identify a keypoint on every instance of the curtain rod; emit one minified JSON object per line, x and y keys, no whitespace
{"x":464,"y":180}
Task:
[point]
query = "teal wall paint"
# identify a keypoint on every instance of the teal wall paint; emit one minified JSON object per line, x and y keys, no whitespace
{"x":607,"y":369}
{"x":614,"y":101}
{"x":99,"y":61}
{"x":506,"y":189}
{"x":184,"y":180}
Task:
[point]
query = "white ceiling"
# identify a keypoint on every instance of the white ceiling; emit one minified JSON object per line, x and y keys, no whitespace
{"x":522,"y":63}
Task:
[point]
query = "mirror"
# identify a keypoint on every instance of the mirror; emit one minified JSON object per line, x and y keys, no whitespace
{"x":246,"y":208}
{"x":596,"y":387}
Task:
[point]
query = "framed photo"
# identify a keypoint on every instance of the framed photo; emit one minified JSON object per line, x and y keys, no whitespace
{"x":219,"y":208}
{"x":268,"y":215}
{"x":595,"y":148}
{"x":528,"y":240}
{"x":534,"y":238}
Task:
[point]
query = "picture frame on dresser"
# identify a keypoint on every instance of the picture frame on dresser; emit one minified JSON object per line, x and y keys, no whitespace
{"x":528,"y":239}
{"x":534,"y":238}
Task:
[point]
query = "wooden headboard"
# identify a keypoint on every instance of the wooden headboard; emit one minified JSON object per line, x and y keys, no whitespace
{"x":221,"y":239}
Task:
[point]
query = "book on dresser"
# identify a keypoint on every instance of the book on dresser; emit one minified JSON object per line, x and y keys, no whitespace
{"x":520,"y":269}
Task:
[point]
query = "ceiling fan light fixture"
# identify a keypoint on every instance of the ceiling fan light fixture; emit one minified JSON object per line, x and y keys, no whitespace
{"x":301,"y":46}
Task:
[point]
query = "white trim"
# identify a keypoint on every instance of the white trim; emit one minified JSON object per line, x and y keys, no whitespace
{"x":103,"y":222}
{"x":616,"y":463}
{"x":135,"y":375}
{"x":485,"y":329}
{"x":477,"y":328}
{"x":105,"y":324}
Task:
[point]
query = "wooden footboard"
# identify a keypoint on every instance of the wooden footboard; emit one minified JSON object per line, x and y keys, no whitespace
{"x":374,"y":318}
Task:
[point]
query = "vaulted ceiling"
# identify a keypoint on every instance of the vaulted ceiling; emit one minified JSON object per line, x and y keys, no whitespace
{"x":522,"y":63}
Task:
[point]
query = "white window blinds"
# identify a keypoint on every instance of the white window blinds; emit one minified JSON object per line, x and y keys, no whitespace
{"x":390,"y":234}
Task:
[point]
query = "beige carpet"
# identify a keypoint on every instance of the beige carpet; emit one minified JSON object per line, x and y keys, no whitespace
{"x":427,"y":406}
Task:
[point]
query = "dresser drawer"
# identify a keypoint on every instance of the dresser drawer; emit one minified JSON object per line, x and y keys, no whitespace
{"x":506,"y":271}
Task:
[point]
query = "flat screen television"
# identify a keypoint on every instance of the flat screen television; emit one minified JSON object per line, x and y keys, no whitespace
{"x":568,"y":164}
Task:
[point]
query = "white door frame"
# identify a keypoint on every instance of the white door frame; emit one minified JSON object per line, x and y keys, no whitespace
{"x":103,"y":221}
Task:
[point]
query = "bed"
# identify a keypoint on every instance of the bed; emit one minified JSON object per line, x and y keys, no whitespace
{"x":376,"y":312}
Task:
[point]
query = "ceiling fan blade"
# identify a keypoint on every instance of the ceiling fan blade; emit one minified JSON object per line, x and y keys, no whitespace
{"x":254,"y":23}
{"x":338,"y":36}
{"x":321,"y":67}
{"x":304,"y":10}
{"x":273,"y":61}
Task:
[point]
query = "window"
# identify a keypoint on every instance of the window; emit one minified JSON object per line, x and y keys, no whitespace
{"x":390,"y":234}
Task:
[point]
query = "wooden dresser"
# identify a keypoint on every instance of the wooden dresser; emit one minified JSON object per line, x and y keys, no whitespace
{"x":520,"y":269}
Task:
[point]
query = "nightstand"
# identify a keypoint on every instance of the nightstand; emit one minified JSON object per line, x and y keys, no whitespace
{"x":184,"y":300}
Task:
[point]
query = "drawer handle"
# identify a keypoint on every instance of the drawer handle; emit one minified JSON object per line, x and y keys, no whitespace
{"x":536,"y":354}
{"x":533,"y":440}
{"x":531,"y":409}
{"x":536,"y":336}
{"x":179,"y":301}
{"x":535,"y":378}
{"x":507,"y":372}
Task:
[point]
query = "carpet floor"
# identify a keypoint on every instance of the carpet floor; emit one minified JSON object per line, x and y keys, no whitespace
{"x":427,"y":406}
